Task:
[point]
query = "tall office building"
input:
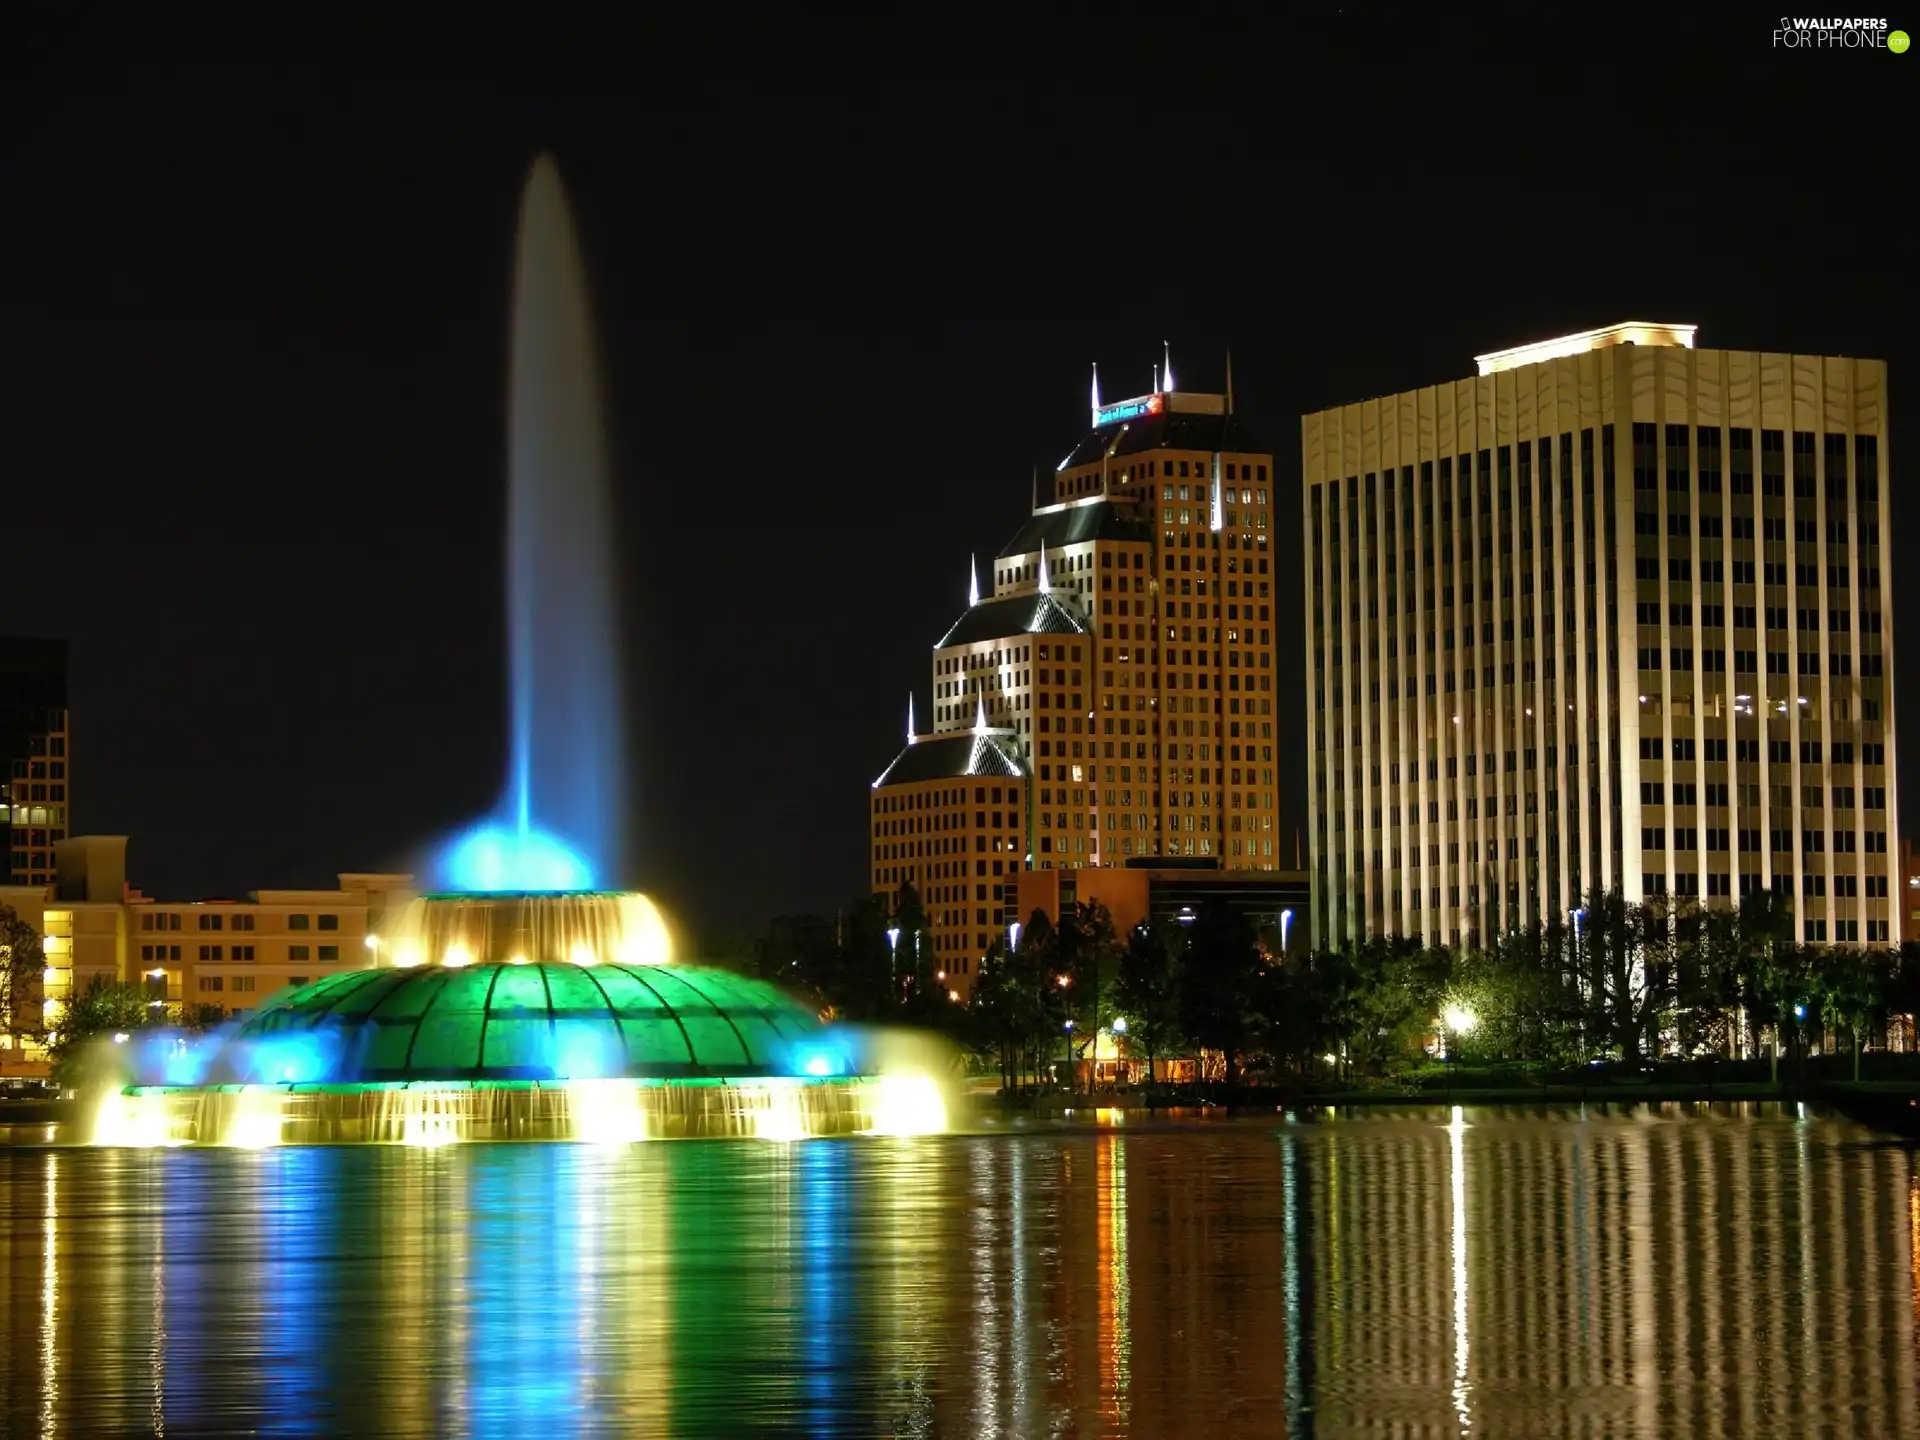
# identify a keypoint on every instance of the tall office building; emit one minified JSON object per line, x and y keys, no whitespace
{"x":33,"y":747}
{"x":1112,"y":699}
{"x":1611,"y":613}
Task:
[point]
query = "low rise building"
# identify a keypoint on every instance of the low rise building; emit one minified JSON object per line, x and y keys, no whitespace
{"x":227,"y":954}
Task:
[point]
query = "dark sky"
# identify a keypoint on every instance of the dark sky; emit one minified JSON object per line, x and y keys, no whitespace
{"x":252,"y":361}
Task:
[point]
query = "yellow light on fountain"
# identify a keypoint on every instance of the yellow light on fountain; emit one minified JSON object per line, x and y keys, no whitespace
{"x":909,"y":1103}
{"x":407,"y":956}
{"x":583,"y":954}
{"x":457,"y":955}
{"x":644,"y":938}
{"x":518,"y":960}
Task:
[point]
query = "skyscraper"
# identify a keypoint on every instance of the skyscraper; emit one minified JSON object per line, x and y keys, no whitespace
{"x":1610,"y":613}
{"x":1119,"y":677}
{"x":33,"y":746}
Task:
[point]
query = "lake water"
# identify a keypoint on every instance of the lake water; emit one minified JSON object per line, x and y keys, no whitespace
{"x":1650,"y":1272}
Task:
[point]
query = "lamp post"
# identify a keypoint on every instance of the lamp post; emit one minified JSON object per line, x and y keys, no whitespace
{"x":1069,"y":1057}
{"x":1286,"y":922}
{"x":1455,"y":1021}
{"x":893,"y":952}
{"x":1800,"y":1028}
{"x":1119,"y":1029}
{"x":1013,"y":936}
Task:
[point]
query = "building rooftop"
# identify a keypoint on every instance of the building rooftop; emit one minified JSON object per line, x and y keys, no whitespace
{"x":1003,"y":618}
{"x":1627,"y":332}
{"x":956,"y":756}
{"x":1073,"y":524}
{"x":1178,"y":422}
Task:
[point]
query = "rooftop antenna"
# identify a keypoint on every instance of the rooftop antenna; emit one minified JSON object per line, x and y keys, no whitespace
{"x":1166,"y":375}
{"x":973,"y":581}
{"x":980,"y":710}
{"x":1156,"y":381}
{"x":1045,"y":583}
{"x":909,"y":717}
{"x":1096,"y":392}
{"x":1036,"y":487}
{"x":1229,"y":382}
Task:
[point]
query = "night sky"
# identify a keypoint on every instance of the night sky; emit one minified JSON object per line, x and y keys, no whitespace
{"x":253,"y":333}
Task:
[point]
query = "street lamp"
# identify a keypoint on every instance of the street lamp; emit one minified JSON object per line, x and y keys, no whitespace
{"x":1069,"y":1066}
{"x":1455,"y":1020}
{"x":1013,"y":936}
{"x":1286,"y":922}
{"x":893,"y":950}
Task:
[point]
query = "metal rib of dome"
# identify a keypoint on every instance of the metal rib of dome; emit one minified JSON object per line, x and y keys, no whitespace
{"x":540,"y":1022}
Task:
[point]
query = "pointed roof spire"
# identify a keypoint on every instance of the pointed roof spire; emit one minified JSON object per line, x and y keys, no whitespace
{"x":1229,"y":382}
{"x":1166,"y":371}
{"x":909,"y":717}
{"x":1045,"y":583}
{"x":973,"y":581}
{"x":980,"y":709}
{"x":1156,"y":381}
{"x":1096,"y":392}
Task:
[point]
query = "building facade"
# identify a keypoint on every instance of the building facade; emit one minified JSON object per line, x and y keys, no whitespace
{"x":34,"y":747}
{"x":224,"y":954}
{"x":1613,"y":612}
{"x":1122,"y":668}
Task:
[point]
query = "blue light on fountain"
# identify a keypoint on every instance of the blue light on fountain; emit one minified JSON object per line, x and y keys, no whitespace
{"x":559,"y":822}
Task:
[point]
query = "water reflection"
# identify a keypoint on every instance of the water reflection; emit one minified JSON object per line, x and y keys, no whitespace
{"x":1484,"y":1273}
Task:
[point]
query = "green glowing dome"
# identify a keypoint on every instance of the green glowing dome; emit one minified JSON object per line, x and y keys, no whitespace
{"x":542,"y":1021}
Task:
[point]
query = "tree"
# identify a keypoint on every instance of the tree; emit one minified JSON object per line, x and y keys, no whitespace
{"x":23,"y":964}
{"x":1628,"y":970}
{"x":1851,"y":986}
{"x":105,"y":1007}
{"x":1218,"y":983}
{"x":1088,"y":958}
{"x":1147,"y":992}
{"x":1393,"y":993}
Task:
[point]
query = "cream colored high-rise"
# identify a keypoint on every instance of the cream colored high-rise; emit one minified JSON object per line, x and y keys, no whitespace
{"x":1614,"y":612}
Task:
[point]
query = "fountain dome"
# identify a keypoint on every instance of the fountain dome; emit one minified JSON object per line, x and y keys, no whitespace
{"x":535,"y":1021}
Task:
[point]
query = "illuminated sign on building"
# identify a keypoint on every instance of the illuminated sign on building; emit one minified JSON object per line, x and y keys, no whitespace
{"x":1128,"y":410}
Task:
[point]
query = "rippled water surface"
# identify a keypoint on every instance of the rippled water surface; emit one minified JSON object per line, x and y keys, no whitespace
{"x":1627,"y":1274}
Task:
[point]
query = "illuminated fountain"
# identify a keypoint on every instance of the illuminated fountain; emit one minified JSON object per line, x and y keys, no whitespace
{"x":522,"y":1002}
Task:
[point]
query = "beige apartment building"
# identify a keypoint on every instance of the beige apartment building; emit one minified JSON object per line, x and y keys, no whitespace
{"x":1122,"y":668}
{"x":227,"y":954}
{"x":1613,"y":612}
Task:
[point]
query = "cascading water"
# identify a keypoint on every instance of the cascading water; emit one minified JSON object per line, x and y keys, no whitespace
{"x":559,"y":825}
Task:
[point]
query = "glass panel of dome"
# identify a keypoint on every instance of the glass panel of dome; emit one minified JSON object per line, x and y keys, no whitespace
{"x":368,"y":990}
{"x":655,"y":1043}
{"x":572,"y":989}
{"x":406,"y":998}
{"x":450,"y":1029}
{"x":517,"y":1043}
{"x":520,"y":988}
{"x":716,"y":1045}
{"x":329,"y":986}
{"x":387,"y":1052}
{"x":626,"y":994}
{"x":763,"y":1042}
{"x":587,"y":1048}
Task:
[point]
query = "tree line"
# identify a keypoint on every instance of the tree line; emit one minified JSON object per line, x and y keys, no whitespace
{"x":1633,"y":982}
